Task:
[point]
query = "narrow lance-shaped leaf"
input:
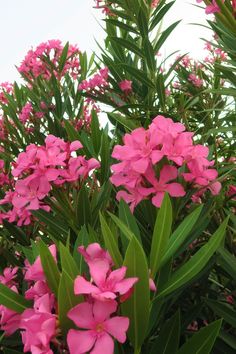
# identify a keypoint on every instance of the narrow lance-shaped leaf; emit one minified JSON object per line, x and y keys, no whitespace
{"x":161,"y":235}
{"x":49,"y":267}
{"x":197,"y":262}
{"x":111,"y":243}
{"x":137,"y":307}
{"x":179,"y":235}
{"x":12,"y":300}
{"x":168,"y":340}
{"x":203,"y":341}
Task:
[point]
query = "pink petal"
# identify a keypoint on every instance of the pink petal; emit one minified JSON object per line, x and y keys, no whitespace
{"x":117,"y":327}
{"x":75,"y":145}
{"x":103,"y":310}
{"x":80,"y":342}
{"x":103,"y":345}
{"x":104,"y":296}
{"x":98,"y":270}
{"x":156,"y":156}
{"x":82,"y":286}
{"x":175,"y":189}
{"x":125,"y":285}
{"x":82,"y":315}
{"x":140,"y":165}
{"x":168,"y":173}
{"x":117,"y":275}
{"x":157,"y":199}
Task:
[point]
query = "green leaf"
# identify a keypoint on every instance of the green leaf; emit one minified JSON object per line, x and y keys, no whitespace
{"x":54,"y":224}
{"x":121,"y":25}
{"x":227,"y":261}
{"x":180,"y":234}
{"x":139,"y":75}
{"x":126,"y":231}
{"x":66,"y":300}
{"x":165,"y":34}
{"x":196,"y":263}
{"x":68,"y":263}
{"x":159,"y":16}
{"x":82,"y":240}
{"x":203,"y":341}
{"x":137,"y":307}
{"x":131,"y":46}
{"x":12,"y":300}
{"x":63,"y":57}
{"x":167,"y":341}
{"x":161,"y":235}
{"x":223,"y":310}
{"x":128,"y":219}
{"x":83,"y":209}
{"x":111,"y":243}
{"x":49,"y":267}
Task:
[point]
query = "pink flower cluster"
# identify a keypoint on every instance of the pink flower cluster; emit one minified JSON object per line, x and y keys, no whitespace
{"x":38,"y":169}
{"x":150,"y":162}
{"x":36,"y":63}
{"x":37,"y":324}
{"x":212,"y":8}
{"x":98,"y":82}
{"x":195,"y":80}
{"x":97,"y":316}
{"x":4,"y":179}
{"x":5,"y":87}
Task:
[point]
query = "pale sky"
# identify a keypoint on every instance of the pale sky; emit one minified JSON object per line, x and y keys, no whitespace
{"x":27,"y":23}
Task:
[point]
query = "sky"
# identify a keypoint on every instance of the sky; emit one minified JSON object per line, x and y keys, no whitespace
{"x":25,"y":25}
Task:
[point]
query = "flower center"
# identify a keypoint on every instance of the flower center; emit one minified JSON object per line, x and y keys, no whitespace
{"x":99,"y":327}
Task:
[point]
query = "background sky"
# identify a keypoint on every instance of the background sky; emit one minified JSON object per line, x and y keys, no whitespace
{"x":27,"y":23}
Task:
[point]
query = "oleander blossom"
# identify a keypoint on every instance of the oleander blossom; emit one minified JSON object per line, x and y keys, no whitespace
{"x":150,"y":162}
{"x":37,"y":170}
{"x":211,"y":8}
{"x":98,"y":328}
{"x":45,"y":60}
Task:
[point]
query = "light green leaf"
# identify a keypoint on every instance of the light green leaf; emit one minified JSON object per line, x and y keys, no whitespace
{"x":161,"y":235}
{"x":12,"y":300}
{"x":180,"y":234}
{"x":111,"y":243}
{"x":137,"y":307}
{"x":196,"y":263}
{"x":49,"y":267}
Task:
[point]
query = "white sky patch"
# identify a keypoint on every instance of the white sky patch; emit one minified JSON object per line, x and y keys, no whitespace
{"x":27,"y":23}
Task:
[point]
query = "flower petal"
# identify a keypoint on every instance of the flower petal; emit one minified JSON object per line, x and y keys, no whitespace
{"x":82,"y":315}
{"x":80,"y":342}
{"x":103,"y":345}
{"x":103,"y":310}
{"x":82,"y":286}
{"x":117,"y":327}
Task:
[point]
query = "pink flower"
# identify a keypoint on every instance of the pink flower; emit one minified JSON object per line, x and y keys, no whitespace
{"x":29,"y":194}
{"x":167,"y":174}
{"x":232,"y":192}
{"x":98,"y":328}
{"x":35,"y":271}
{"x":107,"y":284}
{"x":195,"y":80}
{"x":9,"y":274}
{"x":126,"y":86}
{"x":94,"y":253}
{"x":39,"y":328}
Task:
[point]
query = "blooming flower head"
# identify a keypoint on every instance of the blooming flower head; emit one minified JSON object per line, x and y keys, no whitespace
{"x":98,"y":328}
{"x":126,"y":86}
{"x":150,"y":160}
{"x":108,"y":284}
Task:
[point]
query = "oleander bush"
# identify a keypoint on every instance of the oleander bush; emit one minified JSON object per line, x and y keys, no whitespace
{"x":118,"y":191}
